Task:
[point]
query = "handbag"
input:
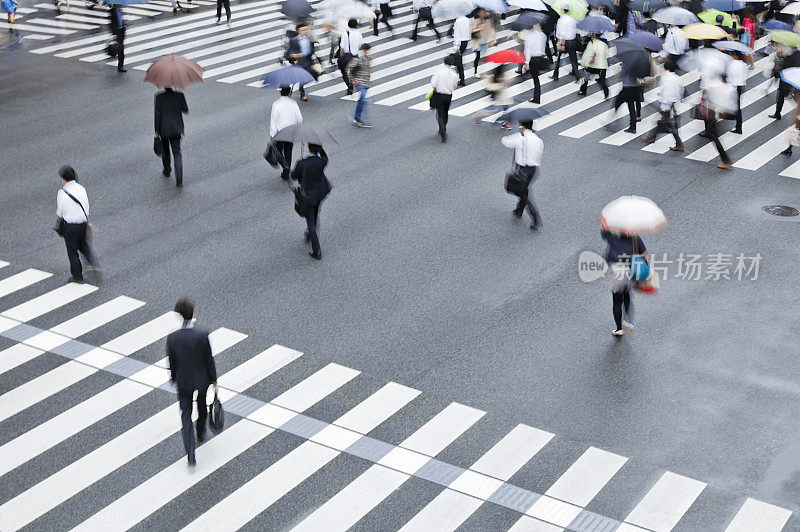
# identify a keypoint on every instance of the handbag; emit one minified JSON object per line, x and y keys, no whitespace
{"x":112,"y":48}
{"x":651,"y":285}
{"x":426,"y":13}
{"x":274,"y":157}
{"x":158,"y":147}
{"x":792,"y":136}
{"x":640,"y":270}
{"x":516,"y":183}
{"x":300,"y":205}
{"x":216,"y":415}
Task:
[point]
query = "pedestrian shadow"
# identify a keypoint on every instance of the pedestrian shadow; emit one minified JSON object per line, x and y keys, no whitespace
{"x":618,"y":374}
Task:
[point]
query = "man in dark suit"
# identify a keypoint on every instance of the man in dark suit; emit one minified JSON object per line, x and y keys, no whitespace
{"x":191,"y":366}
{"x":301,"y":53}
{"x":310,"y":173}
{"x":169,"y":109}
{"x":118,"y":31}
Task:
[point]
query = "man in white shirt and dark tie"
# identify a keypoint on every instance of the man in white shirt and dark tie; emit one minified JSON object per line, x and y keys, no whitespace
{"x":528,"y":149}
{"x":285,"y":112}
{"x":72,"y":209}
{"x":567,"y":34}
{"x":462,"y":33}
{"x":534,"y":48}
{"x":423,"y":10}
{"x":444,"y":81}
{"x":349,"y":47}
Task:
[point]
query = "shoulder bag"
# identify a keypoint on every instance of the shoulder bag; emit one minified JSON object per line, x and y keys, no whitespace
{"x":640,"y":270}
{"x":60,"y":226}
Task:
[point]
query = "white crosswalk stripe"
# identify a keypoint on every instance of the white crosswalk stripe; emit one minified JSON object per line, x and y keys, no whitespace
{"x":666,"y":502}
{"x":18,"y":281}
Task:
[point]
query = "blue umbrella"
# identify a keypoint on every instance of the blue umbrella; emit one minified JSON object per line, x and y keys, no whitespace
{"x":288,"y":76}
{"x":724,"y":5}
{"x":646,"y":39}
{"x":733,"y":46}
{"x":776,"y":25}
{"x":596,"y":24}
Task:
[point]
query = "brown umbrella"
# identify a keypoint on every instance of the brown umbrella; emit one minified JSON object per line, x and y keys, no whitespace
{"x":174,"y":71}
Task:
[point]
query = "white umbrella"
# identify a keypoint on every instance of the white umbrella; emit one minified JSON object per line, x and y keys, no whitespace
{"x":492,"y":5}
{"x":350,"y":9}
{"x":792,"y":9}
{"x":536,"y":5}
{"x":675,"y":15}
{"x":450,"y":9}
{"x":632,"y":215}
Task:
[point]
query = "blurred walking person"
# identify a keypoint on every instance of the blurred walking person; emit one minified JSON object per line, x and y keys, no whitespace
{"x":72,"y":209}
{"x":462,"y":34}
{"x":359,"y":71}
{"x":444,"y":81}
{"x":671,"y":94}
{"x":349,"y":46}
{"x":629,"y":94}
{"x":534,"y":49}
{"x":619,"y":251}
{"x":793,"y":131}
{"x":718,"y":102}
{"x":315,"y":187}
{"x":117,"y":27}
{"x":301,"y":53}
{"x":423,"y":9}
{"x":170,"y":107}
{"x":496,"y":87}
{"x":227,"y":4}
{"x":567,"y":36}
{"x":736,"y":74}
{"x":595,"y":61}
{"x":192,"y":369}
{"x":382,"y":14}
{"x":675,"y":45}
{"x":483,"y":37}
{"x":284,"y":113}
{"x":528,"y":149}
{"x":10,"y":8}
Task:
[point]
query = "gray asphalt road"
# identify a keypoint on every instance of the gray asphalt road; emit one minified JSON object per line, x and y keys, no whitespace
{"x":427,"y":279}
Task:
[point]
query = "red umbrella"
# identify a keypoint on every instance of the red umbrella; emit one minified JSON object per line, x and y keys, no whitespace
{"x":506,"y":56}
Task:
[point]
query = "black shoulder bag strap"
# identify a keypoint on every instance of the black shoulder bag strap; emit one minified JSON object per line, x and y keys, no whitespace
{"x":78,"y":202}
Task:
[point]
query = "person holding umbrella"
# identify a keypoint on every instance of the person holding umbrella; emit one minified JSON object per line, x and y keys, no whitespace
{"x":483,"y":37}
{"x":444,"y":81}
{"x":534,"y":49}
{"x":736,"y":74}
{"x":528,"y":149}
{"x":595,"y":61}
{"x":423,"y":10}
{"x":566,"y":33}
{"x":309,"y":172}
{"x":117,"y":28}
{"x":461,"y":37}
{"x":789,"y":58}
{"x":284,"y":113}
{"x":675,"y":44}
{"x":629,"y":94}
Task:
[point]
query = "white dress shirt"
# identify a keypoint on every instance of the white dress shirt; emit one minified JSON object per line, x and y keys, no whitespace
{"x":462,"y":31}
{"x":444,"y":80}
{"x":528,"y":148}
{"x":712,"y":66}
{"x":671,"y":90}
{"x":419,"y":4}
{"x":285,"y":113}
{"x":675,"y":43}
{"x":535,"y":43}
{"x":67,"y":209}
{"x":566,"y":27}
{"x":351,"y":41}
{"x":722,"y":98}
{"x":737,"y":73}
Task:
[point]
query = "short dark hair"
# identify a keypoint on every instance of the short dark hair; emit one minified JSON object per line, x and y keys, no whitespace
{"x":527,"y":124}
{"x":352,"y":23}
{"x":365,"y":46}
{"x":314,"y":148}
{"x":185,"y":308}
{"x":448,"y":60}
{"x":67,"y":173}
{"x":286,"y":91}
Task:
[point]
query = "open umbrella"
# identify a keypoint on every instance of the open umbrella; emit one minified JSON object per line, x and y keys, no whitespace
{"x":791,"y":76}
{"x":575,"y":8}
{"x":525,"y":114}
{"x":632,"y":215}
{"x":709,"y":16}
{"x":635,"y":59}
{"x":535,"y":5}
{"x":288,"y":76}
{"x":296,"y":9}
{"x":596,"y":24}
{"x":792,"y":9}
{"x":646,"y":39}
{"x":647,"y":6}
{"x":675,"y":15}
{"x":724,"y":5}
{"x":354,"y":10}
{"x":506,"y":56}
{"x":173,"y":71}
{"x":450,"y":9}
{"x":597,"y":3}
{"x":776,"y":25}
{"x":305,"y":133}
{"x":733,"y":46}
{"x":787,"y":38}
{"x":528,"y":20}
{"x":492,"y":5}
{"x":701,"y":31}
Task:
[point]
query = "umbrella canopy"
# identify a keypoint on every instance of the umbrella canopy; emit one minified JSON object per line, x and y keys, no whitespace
{"x":173,"y":71}
{"x":597,"y":3}
{"x":528,"y":20}
{"x":526,"y":114}
{"x":305,"y":133}
{"x":675,"y":15}
{"x":296,"y":9}
{"x":354,"y":10}
{"x":792,"y":9}
{"x":635,"y":59}
{"x":632,"y":215}
{"x":787,"y":38}
{"x":575,"y":8}
{"x":791,"y":76}
{"x":535,"y":5}
{"x":450,"y":9}
{"x":709,"y":16}
{"x":647,"y":39}
{"x":647,"y":6}
{"x":701,"y":31}
{"x":734,"y":46}
{"x":288,"y":76}
{"x":724,"y":5}
{"x":506,"y":56}
{"x":492,"y":5}
{"x":776,"y":25}
{"x":596,"y":24}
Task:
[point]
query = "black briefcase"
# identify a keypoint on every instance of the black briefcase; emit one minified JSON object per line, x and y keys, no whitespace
{"x":274,"y":157}
{"x":158,"y":147}
{"x":300,"y":202}
{"x":216,"y":416}
{"x":517,"y":184}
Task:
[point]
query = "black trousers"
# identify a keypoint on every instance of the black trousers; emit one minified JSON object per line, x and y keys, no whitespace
{"x":186,"y":403}
{"x":569,"y":48}
{"x":342,"y":63}
{"x":784,"y":89}
{"x":227,"y":4}
{"x":711,"y":133}
{"x":382,"y":16}
{"x":175,"y":144}
{"x":526,"y":200}
{"x":629,"y":95}
{"x":601,"y":80}
{"x":667,"y":124}
{"x":534,"y":67}
{"x":285,"y":149}
{"x":442,"y":109}
{"x":739,"y":90}
{"x":312,"y":221}
{"x":620,"y":300}
{"x":119,"y":33}
{"x":77,"y":240}
{"x":460,"y":60}
{"x":429,"y":21}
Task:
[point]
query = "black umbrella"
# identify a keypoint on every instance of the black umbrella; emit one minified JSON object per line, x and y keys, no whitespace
{"x":524,"y":114}
{"x":305,"y":133}
{"x":597,"y":3}
{"x":296,"y":9}
{"x":635,"y":59}
{"x":528,"y":20}
{"x":647,"y":6}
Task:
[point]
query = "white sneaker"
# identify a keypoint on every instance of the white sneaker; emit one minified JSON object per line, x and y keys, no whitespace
{"x":618,"y":333}
{"x":628,"y":327}
{"x":229,"y":24}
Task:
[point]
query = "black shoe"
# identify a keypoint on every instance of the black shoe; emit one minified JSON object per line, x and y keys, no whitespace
{"x":190,"y":459}
{"x":776,"y":116}
{"x":443,"y":136}
{"x":535,"y":226}
{"x":703,"y":134}
{"x":165,"y":173}
{"x":349,"y":92}
{"x":76,"y":281}
{"x":534,"y":100}
{"x":787,"y":151}
{"x":179,"y":184}
{"x":737,"y":130}
{"x":517,"y":213}
{"x":121,"y":70}
{"x":285,"y":175}
{"x":174,"y":10}
{"x":631,"y":129}
{"x":201,"y":437}
{"x":317,"y":256}
{"x":462,"y":83}
{"x":307,"y":237}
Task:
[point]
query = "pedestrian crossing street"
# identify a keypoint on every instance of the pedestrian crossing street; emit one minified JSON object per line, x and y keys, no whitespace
{"x":89,"y":440}
{"x":402,"y":69}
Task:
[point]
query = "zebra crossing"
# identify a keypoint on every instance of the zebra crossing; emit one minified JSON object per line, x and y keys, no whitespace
{"x":89,"y":440}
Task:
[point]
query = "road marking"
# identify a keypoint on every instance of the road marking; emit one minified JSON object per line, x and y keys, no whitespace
{"x":28,"y":27}
{"x":765,"y":152}
{"x":144,"y":335}
{"x":21,"y":280}
{"x":586,"y":477}
{"x":316,"y":387}
{"x":258,"y":368}
{"x":760,"y":516}
{"x":97,"y":317}
{"x":48,"y":302}
{"x":666,"y":502}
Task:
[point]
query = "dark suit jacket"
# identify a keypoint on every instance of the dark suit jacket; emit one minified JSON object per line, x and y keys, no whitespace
{"x":191,"y":364}
{"x":294,"y":48}
{"x":310,"y":173}
{"x":116,"y":20}
{"x":169,"y":109}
